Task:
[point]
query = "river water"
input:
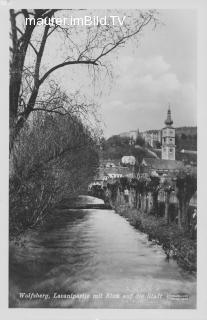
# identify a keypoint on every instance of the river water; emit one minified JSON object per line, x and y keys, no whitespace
{"x":92,"y":258}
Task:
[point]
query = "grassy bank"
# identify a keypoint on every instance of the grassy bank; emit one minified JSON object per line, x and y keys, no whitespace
{"x":176,"y":244}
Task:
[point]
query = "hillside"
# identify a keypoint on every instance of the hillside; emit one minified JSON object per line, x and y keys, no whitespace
{"x":186,"y":137}
{"x":119,"y":145}
{"x":116,"y":147}
{"x":179,"y":130}
{"x":186,"y":130}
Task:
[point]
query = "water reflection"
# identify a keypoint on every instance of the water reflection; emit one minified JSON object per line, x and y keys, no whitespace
{"x":96,"y":252}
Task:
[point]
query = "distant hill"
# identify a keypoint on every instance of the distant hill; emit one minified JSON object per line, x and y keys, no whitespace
{"x":186,"y":130}
{"x":186,"y":138}
{"x":116,"y":147}
{"x":179,"y":130}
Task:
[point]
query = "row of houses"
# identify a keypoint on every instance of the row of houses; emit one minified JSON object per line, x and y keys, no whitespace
{"x":165,"y":167}
{"x":150,"y":166}
{"x":110,"y":170}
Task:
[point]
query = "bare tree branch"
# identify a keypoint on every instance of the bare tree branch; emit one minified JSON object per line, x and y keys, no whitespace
{"x":95,"y":43}
{"x":61,"y":65}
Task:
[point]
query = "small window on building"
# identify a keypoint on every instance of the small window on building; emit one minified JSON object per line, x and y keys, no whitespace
{"x":171,"y":149}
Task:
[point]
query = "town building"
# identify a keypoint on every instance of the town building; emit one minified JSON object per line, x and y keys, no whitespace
{"x":110,"y":170}
{"x":188,"y":151}
{"x":168,"y":139}
{"x":130,"y":134}
{"x":167,"y":165}
{"x":128,"y":160}
{"x":161,"y":166}
{"x":119,"y":172}
{"x":152,"y":137}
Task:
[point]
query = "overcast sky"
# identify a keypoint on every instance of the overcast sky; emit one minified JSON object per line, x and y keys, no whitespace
{"x":160,"y":71}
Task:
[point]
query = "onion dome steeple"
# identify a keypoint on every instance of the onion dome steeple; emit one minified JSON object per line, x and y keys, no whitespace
{"x":168,"y":121}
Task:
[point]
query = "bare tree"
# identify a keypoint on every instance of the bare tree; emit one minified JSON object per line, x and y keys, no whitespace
{"x":29,"y":41}
{"x":186,"y":186}
{"x":54,"y":158}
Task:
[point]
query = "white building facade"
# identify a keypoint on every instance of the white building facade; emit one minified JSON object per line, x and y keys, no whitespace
{"x":168,"y":139}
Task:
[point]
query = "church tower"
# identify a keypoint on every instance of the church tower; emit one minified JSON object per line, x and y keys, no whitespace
{"x":168,"y":139}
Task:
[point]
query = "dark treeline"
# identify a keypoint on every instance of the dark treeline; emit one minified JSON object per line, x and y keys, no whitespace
{"x":186,"y":141}
{"x":54,"y":157}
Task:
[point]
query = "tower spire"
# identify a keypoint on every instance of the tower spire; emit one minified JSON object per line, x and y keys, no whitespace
{"x":168,"y":121}
{"x":168,"y":138}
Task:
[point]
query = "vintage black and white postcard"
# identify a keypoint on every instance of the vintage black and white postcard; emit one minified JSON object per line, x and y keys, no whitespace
{"x":103,"y":158}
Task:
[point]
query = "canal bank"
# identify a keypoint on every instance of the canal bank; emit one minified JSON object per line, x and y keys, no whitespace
{"x":97,"y":253}
{"x":176,"y":244}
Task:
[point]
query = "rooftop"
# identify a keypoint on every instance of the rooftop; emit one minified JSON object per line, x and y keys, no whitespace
{"x":161,"y":164}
